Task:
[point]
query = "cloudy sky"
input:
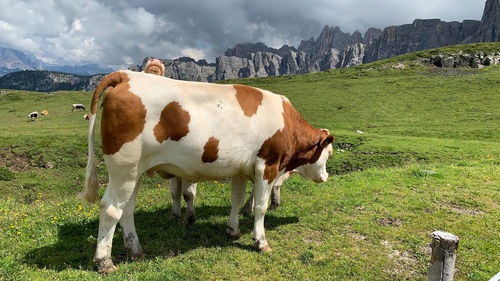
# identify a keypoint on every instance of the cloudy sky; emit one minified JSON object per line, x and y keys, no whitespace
{"x":119,"y":33}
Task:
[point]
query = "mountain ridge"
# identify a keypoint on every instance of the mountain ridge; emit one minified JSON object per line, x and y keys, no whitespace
{"x":334,"y":48}
{"x":12,"y":60}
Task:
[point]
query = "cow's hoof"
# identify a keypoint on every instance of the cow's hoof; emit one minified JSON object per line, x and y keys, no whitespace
{"x":105,"y":266}
{"x":265,"y":249}
{"x":136,"y":256}
{"x":262,"y":245}
{"x":189,"y":220}
{"x":234,"y":234}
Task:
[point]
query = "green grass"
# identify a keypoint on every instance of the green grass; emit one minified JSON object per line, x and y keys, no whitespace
{"x":429,"y":159}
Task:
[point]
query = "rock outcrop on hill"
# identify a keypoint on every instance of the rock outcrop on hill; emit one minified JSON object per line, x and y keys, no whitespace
{"x":466,"y":59}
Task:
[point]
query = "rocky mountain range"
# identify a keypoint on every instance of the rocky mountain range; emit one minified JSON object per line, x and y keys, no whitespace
{"x":336,"y":49}
{"x":333,"y":48}
{"x":13,"y":60}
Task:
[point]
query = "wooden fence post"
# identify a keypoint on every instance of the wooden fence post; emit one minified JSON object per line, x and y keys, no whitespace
{"x":444,"y":246}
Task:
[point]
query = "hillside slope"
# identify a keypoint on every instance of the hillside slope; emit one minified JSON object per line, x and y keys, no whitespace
{"x":417,"y":150}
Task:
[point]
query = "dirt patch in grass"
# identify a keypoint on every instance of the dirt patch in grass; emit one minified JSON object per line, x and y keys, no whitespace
{"x":314,"y":237}
{"x":405,"y":261}
{"x":13,"y":160}
{"x":389,"y":221}
{"x":462,"y":210}
{"x":446,"y":72}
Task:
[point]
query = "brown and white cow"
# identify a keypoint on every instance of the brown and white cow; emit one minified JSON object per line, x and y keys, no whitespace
{"x":197,"y":131}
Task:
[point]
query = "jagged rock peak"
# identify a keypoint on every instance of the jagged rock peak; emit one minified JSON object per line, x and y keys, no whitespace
{"x":243,"y":50}
{"x":372,"y":34}
{"x":489,"y":29}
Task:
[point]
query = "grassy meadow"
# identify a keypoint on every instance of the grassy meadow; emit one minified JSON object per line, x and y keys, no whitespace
{"x":417,"y":150}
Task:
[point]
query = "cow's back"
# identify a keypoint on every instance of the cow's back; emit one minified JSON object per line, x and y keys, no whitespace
{"x":201,"y":130}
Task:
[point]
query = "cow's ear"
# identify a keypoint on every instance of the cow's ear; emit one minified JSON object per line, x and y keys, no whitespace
{"x":326,"y":141}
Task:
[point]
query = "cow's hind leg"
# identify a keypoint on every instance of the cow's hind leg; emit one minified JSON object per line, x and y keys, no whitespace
{"x":275,"y":196}
{"x":113,"y":203}
{"x":130,"y":238}
{"x":175,"y":190}
{"x":247,"y":209}
{"x":238,"y":188}
{"x":189,"y":192}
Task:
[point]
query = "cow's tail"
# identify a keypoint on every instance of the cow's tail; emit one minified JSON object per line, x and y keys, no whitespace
{"x":91,"y":182}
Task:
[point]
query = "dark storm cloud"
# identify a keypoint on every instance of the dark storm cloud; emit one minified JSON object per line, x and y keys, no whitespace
{"x":123,"y":32}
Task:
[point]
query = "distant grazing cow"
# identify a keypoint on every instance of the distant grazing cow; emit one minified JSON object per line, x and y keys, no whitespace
{"x":86,"y":117}
{"x":44,"y":112}
{"x":33,"y":115}
{"x":197,"y":131}
{"x":78,"y":106}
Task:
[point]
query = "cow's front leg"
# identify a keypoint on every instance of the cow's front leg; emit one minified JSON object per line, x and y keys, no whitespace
{"x":112,"y":204}
{"x":238,"y":188}
{"x":130,"y":238}
{"x":175,"y":190}
{"x":189,"y":192}
{"x":261,"y":199}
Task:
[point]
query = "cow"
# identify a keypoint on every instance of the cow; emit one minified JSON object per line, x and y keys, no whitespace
{"x":196,"y":131}
{"x":33,"y":115}
{"x":86,"y":117}
{"x":78,"y":106}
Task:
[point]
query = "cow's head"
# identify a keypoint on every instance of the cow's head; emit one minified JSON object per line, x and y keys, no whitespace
{"x":315,"y":170}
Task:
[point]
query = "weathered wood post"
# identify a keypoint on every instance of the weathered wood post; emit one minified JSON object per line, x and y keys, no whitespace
{"x":444,"y":246}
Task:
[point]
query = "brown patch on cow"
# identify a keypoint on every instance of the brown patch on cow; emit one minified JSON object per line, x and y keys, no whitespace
{"x":249,"y":99}
{"x":296,"y":144}
{"x":123,"y":117}
{"x":210,"y":150}
{"x":173,"y":123}
{"x":151,"y":172}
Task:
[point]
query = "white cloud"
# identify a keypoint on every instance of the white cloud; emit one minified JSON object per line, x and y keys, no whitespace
{"x":193,"y":53}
